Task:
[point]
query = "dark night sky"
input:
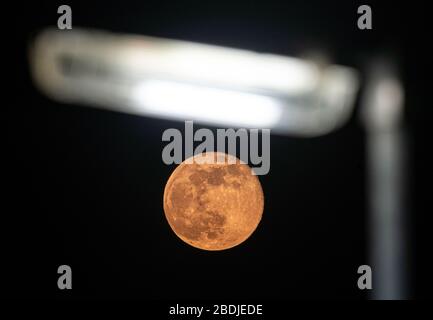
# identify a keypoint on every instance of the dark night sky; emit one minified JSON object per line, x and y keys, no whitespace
{"x":86,"y":186}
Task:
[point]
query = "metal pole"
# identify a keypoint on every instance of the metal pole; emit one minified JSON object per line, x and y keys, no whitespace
{"x":386,"y":157}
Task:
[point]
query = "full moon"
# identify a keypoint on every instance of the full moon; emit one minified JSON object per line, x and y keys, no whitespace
{"x":213,"y":205}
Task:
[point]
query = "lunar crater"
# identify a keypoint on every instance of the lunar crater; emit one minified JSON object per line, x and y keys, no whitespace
{"x":213,"y":206}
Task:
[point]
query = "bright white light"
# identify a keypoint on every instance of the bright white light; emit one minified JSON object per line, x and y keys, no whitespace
{"x":222,"y":66}
{"x":184,"y":101}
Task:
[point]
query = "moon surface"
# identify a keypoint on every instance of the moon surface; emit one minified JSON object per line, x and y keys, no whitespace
{"x":213,"y":205}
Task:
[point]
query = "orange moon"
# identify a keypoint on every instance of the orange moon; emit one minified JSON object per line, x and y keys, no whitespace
{"x":213,"y":206}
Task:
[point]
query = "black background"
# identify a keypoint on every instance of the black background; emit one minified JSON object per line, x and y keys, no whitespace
{"x":84,"y":187}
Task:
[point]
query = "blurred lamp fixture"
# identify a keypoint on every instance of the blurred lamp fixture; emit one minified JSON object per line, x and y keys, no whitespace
{"x":188,"y":81}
